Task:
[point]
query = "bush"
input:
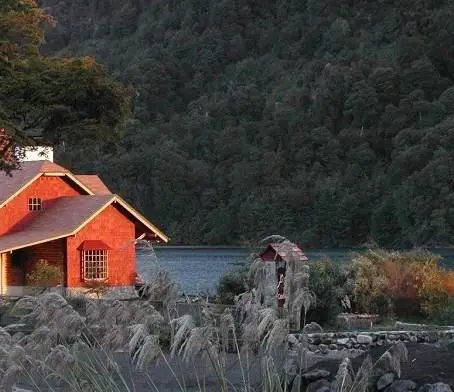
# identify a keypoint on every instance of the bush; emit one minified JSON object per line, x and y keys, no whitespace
{"x":366,"y":283}
{"x":327,"y":281}
{"x":445,"y":315}
{"x":408,"y":283}
{"x":45,"y":275}
{"x":430,"y":287}
{"x":97,"y":287}
{"x":232,"y":284}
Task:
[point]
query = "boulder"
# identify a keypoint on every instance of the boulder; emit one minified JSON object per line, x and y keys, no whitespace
{"x":312,"y":328}
{"x":438,"y":387}
{"x":364,"y":339}
{"x":315,"y":375}
{"x":402,"y":386}
{"x":323,"y":348}
{"x":319,"y":386}
{"x":343,"y":341}
{"x":385,"y":381}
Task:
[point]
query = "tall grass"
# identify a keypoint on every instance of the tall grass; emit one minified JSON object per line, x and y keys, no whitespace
{"x":79,"y":350}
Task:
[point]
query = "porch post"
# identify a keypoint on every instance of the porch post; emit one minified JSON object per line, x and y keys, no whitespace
{"x":3,"y":283}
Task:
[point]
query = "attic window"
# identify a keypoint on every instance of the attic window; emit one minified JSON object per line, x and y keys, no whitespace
{"x":34,"y":204}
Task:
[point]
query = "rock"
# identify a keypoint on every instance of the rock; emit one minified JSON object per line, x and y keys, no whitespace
{"x":319,"y":386}
{"x":313,"y":328}
{"x":315,"y":375}
{"x":343,"y":341}
{"x":438,"y":387}
{"x":364,"y":339}
{"x":385,"y":381}
{"x":323,"y":348}
{"x":313,"y":347}
{"x":402,"y":386}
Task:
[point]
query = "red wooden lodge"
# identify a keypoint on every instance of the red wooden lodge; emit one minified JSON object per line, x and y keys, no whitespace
{"x":72,"y":221}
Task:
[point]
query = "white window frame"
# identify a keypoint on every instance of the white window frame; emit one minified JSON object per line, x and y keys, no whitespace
{"x":35,"y":204}
{"x":95,"y":264}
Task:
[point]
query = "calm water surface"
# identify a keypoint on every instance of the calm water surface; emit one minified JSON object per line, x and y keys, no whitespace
{"x":198,"y":269}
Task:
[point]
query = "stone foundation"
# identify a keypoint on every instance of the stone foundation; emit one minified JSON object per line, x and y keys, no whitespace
{"x":120,"y":292}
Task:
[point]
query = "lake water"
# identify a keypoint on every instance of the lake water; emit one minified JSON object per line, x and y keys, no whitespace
{"x":198,"y":269}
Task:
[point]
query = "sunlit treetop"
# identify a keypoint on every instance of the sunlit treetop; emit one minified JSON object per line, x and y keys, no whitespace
{"x":51,"y":99}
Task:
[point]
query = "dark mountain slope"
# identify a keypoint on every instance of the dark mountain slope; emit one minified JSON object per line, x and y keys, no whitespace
{"x":331,"y":122}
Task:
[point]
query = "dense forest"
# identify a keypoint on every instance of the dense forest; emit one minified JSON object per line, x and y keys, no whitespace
{"x":331,"y":122}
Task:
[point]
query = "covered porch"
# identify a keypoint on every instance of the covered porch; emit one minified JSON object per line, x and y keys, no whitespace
{"x":16,"y":265}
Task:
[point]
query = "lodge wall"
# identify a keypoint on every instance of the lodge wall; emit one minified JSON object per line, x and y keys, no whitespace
{"x":118,"y":232}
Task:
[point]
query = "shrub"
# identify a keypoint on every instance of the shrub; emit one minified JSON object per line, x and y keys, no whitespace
{"x":413,"y":283}
{"x":97,"y":287}
{"x":232,"y":284}
{"x":445,"y":315}
{"x":448,"y":282}
{"x":45,"y":275}
{"x":366,"y":283}
{"x":430,"y":287}
{"x":327,"y":281}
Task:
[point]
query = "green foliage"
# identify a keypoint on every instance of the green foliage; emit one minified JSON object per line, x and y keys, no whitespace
{"x":231,"y":284}
{"x":328,"y":121}
{"x":327,"y":281}
{"x":45,"y":275}
{"x":445,"y":315}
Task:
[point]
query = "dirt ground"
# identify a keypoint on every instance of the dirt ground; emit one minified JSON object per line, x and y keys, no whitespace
{"x":426,"y":364}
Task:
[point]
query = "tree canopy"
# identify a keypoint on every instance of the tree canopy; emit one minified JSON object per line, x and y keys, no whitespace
{"x":51,"y":99}
{"x":328,"y":121}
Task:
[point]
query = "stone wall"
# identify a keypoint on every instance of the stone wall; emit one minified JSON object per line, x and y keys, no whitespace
{"x":327,"y":341}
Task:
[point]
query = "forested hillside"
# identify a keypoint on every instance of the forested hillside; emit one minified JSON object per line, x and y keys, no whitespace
{"x":328,"y":121}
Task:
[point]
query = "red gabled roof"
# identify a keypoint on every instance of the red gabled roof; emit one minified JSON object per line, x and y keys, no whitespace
{"x":12,"y":183}
{"x":287,"y":251}
{"x":94,"y":183}
{"x":69,"y":214}
{"x":66,"y":217}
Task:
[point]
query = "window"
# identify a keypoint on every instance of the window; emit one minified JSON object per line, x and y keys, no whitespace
{"x":94,"y":264}
{"x":34,"y":204}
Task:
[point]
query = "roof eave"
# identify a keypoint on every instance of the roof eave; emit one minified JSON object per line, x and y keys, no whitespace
{"x":141,"y":219}
{"x":13,"y":248}
{"x":28,"y":183}
{"x":47,"y":174}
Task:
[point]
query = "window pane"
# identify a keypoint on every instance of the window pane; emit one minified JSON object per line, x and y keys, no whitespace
{"x":94,"y":264}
